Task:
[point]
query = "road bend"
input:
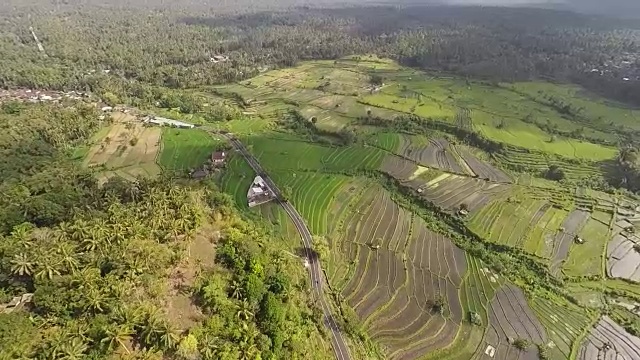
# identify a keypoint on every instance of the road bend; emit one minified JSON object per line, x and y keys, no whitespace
{"x":315,"y":269}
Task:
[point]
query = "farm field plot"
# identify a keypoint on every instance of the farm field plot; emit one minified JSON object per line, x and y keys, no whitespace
{"x":185,"y":149}
{"x":511,"y":318}
{"x":312,"y":195}
{"x":436,"y":153}
{"x":126,"y":149}
{"x":478,"y":289}
{"x":586,"y":259}
{"x":495,"y":111}
{"x":539,"y":162}
{"x":237,"y":179}
{"x":449,"y":191}
{"x":398,"y":167}
{"x":623,"y":260}
{"x":563,"y":322}
{"x":571,"y":227}
{"x":399,"y":267}
{"x":285,"y":152}
{"x":483,"y":169}
{"x":510,"y":222}
{"x":609,"y":340}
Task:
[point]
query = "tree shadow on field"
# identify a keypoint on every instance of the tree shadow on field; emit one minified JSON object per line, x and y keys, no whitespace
{"x":612,"y":172}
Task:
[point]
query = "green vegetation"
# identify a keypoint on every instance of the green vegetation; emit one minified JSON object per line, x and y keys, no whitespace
{"x":119,"y":277}
{"x":185,"y":149}
{"x":448,"y":200}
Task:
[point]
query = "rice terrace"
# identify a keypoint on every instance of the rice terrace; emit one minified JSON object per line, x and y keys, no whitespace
{"x":454,"y":218}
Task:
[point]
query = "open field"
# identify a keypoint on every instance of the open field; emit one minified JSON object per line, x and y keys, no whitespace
{"x":126,"y":149}
{"x":285,"y":152}
{"x":338,"y":92}
{"x":563,"y":322}
{"x":586,"y":259}
{"x":389,"y":268}
{"x":511,"y":319}
{"x":186,"y":149}
{"x":450,"y":191}
{"x":609,"y":340}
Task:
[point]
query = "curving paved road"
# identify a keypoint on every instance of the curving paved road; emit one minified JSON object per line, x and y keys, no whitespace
{"x":315,"y":270}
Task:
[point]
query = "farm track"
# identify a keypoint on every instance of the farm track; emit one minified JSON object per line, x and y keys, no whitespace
{"x":340,"y":348}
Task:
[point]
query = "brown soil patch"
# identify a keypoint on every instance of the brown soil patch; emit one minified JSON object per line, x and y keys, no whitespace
{"x":115,"y":150}
{"x":181,"y":309}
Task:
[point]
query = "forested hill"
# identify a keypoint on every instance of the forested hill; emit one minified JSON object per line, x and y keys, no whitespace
{"x":174,"y":48}
{"x":127,"y":269}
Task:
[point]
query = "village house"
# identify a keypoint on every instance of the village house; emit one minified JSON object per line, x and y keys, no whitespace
{"x":167,"y":122}
{"x":218,"y":158}
{"x":259,"y":192}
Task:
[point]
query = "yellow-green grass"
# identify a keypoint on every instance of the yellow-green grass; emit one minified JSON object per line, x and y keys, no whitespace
{"x":312,"y":194}
{"x":286,"y":152}
{"x":236,"y":179}
{"x":185,"y":149}
{"x":564,"y":322}
{"x":530,"y":137}
{"x":385,"y":140}
{"x":507,"y":222}
{"x":594,"y":106}
{"x":586,"y":259}
{"x":476,"y":293}
{"x":540,"y":239}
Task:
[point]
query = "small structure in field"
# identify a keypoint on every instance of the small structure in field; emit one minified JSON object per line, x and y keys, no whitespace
{"x":167,"y":122}
{"x":218,"y":58}
{"x":490,"y":351}
{"x":259,"y":192}
{"x":218,"y":158}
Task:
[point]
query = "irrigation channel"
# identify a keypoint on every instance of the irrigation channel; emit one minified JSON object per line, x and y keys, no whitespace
{"x":315,"y":270}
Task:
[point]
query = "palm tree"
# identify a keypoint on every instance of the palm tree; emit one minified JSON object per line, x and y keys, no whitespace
{"x":95,"y":300}
{"x":236,"y":290}
{"x":209,"y":347}
{"x":21,"y":265}
{"x":245,"y":310}
{"x":67,"y":253}
{"x":115,"y":335}
{"x":74,"y":349}
{"x":48,"y":269}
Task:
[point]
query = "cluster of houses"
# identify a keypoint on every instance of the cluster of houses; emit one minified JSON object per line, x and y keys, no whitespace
{"x":35,"y":96}
{"x":218,"y":160}
{"x":625,"y":67}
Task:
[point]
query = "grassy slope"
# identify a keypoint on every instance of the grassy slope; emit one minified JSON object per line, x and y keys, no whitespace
{"x":185,"y":149}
